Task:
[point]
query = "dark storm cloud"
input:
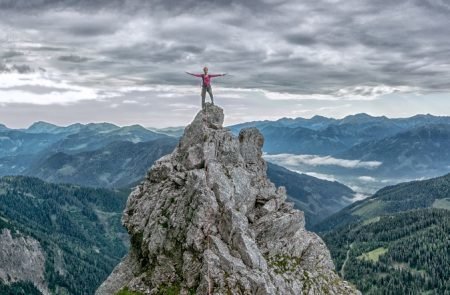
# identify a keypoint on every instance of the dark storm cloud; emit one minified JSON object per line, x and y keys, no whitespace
{"x":21,"y":69}
{"x":88,"y":29}
{"x":73,"y":58}
{"x":12,"y":53}
{"x":301,"y":39}
{"x":37,"y":89}
{"x":45,"y":48}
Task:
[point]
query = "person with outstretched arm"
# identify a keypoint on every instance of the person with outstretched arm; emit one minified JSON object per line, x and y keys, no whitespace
{"x":206,"y":84}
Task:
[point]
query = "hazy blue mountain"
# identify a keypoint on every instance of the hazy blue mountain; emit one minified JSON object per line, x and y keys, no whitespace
{"x":42,"y":136}
{"x":95,"y":136}
{"x":15,"y":165}
{"x":3,"y":128}
{"x":101,"y":127}
{"x":325,"y":136}
{"x":421,"y":120}
{"x":317,"y":198}
{"x":78,"y":228}
{"x":314,"y":123}
{"x":320,"y":122}
{"x":44,"y":127}
{"x":19,"y":149}
{"x":299,"y":140}
{"x":361,"y":128}
{"x":170,"y":131}
{"x":119,"y":164}
{"x":74,"y":138}
{"x":431,"y":193}
{"x":15,"y":142}
{"x":415,"y":152}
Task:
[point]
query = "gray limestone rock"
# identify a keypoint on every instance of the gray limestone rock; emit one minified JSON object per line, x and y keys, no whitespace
{"x":208,"y":221}
{"x":22,"y":259}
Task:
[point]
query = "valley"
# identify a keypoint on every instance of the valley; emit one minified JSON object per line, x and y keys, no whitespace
{"x":396,"y":240}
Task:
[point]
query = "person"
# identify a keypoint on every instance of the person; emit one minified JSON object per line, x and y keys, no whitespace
{"x":206,"y":84}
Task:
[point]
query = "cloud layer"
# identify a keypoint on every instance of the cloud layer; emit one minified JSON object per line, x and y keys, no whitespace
{"x":314,"y":160}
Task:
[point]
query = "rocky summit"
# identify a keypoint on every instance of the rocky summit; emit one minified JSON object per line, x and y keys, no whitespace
{"x":206,"y":220}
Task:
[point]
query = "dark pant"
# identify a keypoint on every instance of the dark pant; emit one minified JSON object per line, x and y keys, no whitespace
{"x":204,"y":89}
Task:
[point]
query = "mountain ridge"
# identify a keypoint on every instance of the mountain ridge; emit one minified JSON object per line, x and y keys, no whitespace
{"x":393,"y":199}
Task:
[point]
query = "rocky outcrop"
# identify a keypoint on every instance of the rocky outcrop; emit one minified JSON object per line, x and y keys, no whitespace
{"x":207,"y":220}
{"x":22,"y":260}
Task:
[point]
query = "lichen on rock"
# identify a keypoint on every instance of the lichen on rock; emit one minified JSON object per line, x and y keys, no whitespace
{"x":207,"y":220}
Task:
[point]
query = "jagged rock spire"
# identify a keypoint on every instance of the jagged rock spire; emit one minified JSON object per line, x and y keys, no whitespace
{"x":206,"y":220}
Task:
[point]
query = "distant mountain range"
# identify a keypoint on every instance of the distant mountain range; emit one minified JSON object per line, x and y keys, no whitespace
{"x":170,"y":131}
{"x":395,"y":149}
{"x":116,"y":165}
{"x":22,"y":148}
{"x":3,"y":127}
{"x":327,"y":136}
{"x":395,"y":242}
{"x":62,"y":238}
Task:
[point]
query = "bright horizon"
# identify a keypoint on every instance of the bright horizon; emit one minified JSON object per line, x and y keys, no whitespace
{"x":182,"y":126}
{"x":123,"y":62}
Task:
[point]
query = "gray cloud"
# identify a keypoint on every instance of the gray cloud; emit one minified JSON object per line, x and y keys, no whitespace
{"x":73,"y":58}
{"x":301,"y":39}
{"x":12,"y":53}
{"x":21,"y":69}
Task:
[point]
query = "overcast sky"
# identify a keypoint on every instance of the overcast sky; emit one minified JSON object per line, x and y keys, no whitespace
{"x":66,"y":61}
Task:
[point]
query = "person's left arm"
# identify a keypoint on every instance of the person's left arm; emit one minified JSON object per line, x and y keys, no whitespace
{"x":217,"y":75}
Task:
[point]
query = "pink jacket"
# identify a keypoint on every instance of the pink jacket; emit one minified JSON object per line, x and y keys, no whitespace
{"x":206,"y":78}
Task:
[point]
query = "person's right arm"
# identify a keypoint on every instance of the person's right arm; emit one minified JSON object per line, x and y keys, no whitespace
{"x":196,"y":75}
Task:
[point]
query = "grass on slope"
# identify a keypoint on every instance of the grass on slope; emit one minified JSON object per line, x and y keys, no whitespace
{"x":442,"y":203}
{"x":373,"y":255}
{"x":370,"y":209}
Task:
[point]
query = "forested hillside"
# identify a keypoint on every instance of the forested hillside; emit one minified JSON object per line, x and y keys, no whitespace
{"x":395,"y":242}
{"x":317,"y":198}
{"x":116,"y":165}
{"x":78,"y":228}
{"x":403,"y":253}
